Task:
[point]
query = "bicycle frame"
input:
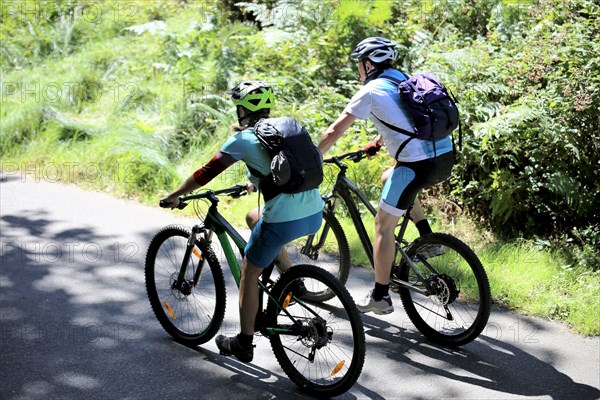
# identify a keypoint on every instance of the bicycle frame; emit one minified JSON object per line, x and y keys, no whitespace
{"x":344,"y":188}
{"x":215,"y":222}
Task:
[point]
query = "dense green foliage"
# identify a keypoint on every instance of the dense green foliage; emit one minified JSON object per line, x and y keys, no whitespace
{"x":133,"y":92}
{"x":526,"y":75}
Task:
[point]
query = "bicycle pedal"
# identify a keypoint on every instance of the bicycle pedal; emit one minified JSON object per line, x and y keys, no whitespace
{"x":394,"y":287}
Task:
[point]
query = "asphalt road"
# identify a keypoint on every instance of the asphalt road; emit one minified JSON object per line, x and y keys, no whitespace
{"x":75,"y":323}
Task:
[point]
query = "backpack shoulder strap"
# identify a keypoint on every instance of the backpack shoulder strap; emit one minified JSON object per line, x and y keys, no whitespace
{"x":395,"y":128}
{"x":393,"y":80}
{"x":262,"y":139}
{"x":390,"y":126}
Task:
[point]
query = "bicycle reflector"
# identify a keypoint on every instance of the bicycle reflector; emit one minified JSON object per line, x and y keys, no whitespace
{"x":287,"y":300}
{"x":169,"y":310}
{"x":197,"y":253}
{"x":338,"y":367}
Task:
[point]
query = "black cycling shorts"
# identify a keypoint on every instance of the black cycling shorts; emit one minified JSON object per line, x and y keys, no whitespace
{"x":408,"y":178}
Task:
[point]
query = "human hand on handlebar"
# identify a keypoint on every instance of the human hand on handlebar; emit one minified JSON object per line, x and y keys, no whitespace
{"x":169,"y":202}
{"x":250,"y":187}
{"x":372,"y":147}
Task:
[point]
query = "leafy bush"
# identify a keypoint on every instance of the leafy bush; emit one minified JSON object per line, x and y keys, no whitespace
{"x":530,"y":101}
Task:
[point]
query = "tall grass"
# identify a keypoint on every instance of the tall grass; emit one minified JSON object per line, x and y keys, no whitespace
{"x":541,"y":282}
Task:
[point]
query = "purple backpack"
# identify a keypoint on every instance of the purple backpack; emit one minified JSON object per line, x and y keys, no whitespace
{"x":431,"y":105}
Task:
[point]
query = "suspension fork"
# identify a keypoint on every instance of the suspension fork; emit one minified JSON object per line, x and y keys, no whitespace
{"x":191,"y":242}
{"x":207,"y":238}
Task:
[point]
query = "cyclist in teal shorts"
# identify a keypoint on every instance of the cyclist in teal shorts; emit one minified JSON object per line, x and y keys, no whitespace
{"x":284,"y":217}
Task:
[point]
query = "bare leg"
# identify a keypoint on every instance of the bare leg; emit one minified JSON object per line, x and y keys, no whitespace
{"x":384,"y":249}
{"x":253,"y":216}
{"x":416,"y":213}
{"x":249,"y":295}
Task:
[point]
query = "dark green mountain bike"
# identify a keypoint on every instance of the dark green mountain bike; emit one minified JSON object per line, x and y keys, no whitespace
{"x":320,"y":346}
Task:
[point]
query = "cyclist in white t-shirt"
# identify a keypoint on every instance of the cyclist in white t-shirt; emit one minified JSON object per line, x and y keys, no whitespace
{"x":420,"y":163}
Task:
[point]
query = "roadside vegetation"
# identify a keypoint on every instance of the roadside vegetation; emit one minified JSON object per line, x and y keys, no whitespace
{"x":128,"y":97}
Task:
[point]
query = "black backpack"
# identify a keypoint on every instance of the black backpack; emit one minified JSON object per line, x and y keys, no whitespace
{"x":296,"y":164}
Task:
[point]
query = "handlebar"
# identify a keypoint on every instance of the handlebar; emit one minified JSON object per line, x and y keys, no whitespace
{"x":234,"y":191}
{"x":355,"y":156}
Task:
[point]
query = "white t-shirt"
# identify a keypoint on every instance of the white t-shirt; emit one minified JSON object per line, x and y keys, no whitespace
{"x":380,"y":97}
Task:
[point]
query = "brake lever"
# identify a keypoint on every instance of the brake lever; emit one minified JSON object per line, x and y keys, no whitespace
{"x":358,"y":157}
{"x":242,"y":191}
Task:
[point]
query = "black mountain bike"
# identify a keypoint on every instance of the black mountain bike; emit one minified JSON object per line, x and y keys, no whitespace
{"x":441,"y":282}
{"x":320,"y":346}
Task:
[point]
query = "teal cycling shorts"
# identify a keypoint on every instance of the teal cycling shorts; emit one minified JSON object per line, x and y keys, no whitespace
{"x":409,"y":178}
{"x":267,"y":239}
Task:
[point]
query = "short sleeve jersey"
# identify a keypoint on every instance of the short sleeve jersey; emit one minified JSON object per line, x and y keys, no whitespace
{"x":244,"y":146}
{"x":380,"y":97}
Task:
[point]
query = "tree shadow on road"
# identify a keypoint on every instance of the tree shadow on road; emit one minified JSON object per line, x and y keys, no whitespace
{"x":261,"y":380}
{"x":486,"y":362}
{"x":79,"y":325}
{"x":82,"y":327}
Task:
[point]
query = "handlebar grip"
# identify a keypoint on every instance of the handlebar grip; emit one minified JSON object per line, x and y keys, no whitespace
{"x":358,"y":155}
{"x":372,"y":150}
{"x":164,"y":204}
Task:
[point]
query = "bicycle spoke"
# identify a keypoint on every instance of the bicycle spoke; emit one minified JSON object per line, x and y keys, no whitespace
{"x":190,"y":313}
{"x":328,"y":249}
{"x":455,"y":306}
{"x":324,"y":354}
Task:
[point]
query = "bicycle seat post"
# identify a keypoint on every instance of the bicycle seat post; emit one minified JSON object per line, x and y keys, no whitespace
{"x":404,"y":224}
{"x":266,"y":274}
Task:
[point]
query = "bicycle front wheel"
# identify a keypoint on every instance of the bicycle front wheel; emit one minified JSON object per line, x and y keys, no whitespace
{"x":328,"y":249}
{"x":320,"y":346}
{"x":453,"y":306}
{"x":193,"y":312}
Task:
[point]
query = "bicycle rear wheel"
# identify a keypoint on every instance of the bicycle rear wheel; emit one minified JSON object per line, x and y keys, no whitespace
{"x":325,"y":355}
{"x":457,"y":308}
{"x":328,"y":249}
{"x":192,"y":314}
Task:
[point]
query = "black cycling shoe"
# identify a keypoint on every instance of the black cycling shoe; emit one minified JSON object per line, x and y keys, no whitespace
{"x":230,"y":346}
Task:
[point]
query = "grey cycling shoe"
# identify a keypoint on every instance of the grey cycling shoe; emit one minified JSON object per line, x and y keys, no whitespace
{"x":381,"y":307}
{"x":230,"y":346}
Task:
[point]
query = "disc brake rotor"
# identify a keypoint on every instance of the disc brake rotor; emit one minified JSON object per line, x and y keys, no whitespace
{"x":444,"y":289}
